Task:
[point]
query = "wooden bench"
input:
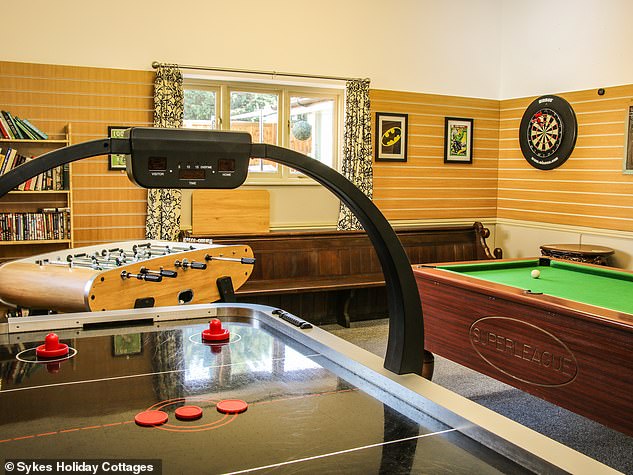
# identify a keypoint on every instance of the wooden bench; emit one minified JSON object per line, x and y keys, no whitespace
{"x":328,"y":276}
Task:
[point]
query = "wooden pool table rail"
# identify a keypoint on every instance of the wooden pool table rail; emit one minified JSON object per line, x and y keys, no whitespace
{"x":574,"y":355}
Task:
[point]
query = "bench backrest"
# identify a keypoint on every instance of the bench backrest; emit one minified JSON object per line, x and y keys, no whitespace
{"x":328,"y":254}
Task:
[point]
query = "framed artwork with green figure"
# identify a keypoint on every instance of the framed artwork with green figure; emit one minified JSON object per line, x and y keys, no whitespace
{"x":458,"y":140}
{"x":116,"y":161}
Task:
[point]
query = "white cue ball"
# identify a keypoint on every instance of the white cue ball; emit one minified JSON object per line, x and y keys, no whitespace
{"x":535,"y":274}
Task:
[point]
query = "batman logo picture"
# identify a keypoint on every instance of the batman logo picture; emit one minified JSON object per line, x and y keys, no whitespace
{"x":391,"y":139}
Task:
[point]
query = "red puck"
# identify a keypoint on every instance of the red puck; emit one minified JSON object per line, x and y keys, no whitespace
{"x":232,"y":406}
{"x":51,"y":348}
{"x":215,"y":332}
{"x":188,"y":413}
{"x":151,"y":418}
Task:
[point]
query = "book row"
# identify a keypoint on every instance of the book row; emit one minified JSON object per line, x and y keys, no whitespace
{"x":12,"y":127}
{"x":42,"y":225}
{"x":54,"y":179}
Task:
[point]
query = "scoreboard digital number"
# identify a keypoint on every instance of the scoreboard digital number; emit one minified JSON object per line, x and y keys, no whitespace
{"x":548,"y":132}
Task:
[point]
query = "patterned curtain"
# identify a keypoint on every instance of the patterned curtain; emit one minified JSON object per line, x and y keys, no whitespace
{"x":357,"y":153}
{"x":163,"y":205}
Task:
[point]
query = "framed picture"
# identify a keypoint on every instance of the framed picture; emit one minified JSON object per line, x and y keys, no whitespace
{"x":628,"y":141}
{"x":126,"y":345}
{"x":116,"y":161}
{"x":458,"y":140}
{"x":391,"y":137}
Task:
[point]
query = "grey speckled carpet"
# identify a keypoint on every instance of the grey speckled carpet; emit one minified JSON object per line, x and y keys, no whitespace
{"x":595,"y":440}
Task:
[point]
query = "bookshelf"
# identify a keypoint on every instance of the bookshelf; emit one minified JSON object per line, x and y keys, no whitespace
{"x":20,"y":210}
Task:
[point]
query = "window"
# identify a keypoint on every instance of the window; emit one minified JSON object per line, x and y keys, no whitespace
{"x":258,"y":114}
{"x":200,"y":108}
{"x":311,"y":126}
{"x":302,"y":119}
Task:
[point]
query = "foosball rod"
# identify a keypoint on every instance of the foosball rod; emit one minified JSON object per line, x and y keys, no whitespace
{"x":165,"y":247}
{"x":241,"y":260}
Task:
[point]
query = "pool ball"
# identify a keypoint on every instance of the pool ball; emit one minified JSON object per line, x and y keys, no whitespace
{"x":535,"y":274}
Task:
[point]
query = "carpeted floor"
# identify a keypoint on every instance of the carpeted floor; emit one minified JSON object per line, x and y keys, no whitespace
{"x":595,"y":440}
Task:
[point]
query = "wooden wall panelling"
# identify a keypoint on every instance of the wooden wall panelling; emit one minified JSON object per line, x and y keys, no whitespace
{"x":425,"y":187}
{"x":106,"y":205}
{"x":589,"y":189}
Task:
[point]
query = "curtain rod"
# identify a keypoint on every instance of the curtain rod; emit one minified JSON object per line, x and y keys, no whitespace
{"x":156,"y":64}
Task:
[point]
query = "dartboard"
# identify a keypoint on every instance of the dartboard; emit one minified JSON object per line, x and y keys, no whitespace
{"x":548,"y":131}
{"x":545,"y":132}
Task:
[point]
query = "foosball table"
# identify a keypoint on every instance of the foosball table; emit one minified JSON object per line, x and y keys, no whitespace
{"x":126,"y":275}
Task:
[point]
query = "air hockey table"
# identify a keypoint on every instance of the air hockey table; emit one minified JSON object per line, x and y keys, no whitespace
{"x":314,"y":403}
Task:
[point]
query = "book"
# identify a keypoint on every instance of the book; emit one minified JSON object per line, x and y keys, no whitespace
{"x":24,"y":129}
{"x":65,"y":177}
{"x":37,"y":131}
{"x":3,"y":163}
{"x":4,"y":128}
{"x":19,"y":160}
{"x":28,"y":184}
{"x":55,"y":210}
{"x":8,"y":161}
{"x":20,"y":135}
{"x":38,"y":182}
{"x":58,"y":178}
{"x":48,"y":180}
{"x":12,"y":127}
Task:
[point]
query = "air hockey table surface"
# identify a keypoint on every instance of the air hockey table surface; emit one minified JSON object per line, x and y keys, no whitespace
{"x":316,"y":404}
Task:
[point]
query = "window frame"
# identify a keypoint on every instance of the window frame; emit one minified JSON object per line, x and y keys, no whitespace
{"x":250,"y":88}
{"x":201,"y":85}
{"x":283,"y":175}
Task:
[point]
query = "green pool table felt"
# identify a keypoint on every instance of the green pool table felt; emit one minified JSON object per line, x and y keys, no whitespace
{"x":602,"y":287}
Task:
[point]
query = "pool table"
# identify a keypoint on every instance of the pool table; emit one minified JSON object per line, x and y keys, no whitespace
{"x":565,"y":336}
